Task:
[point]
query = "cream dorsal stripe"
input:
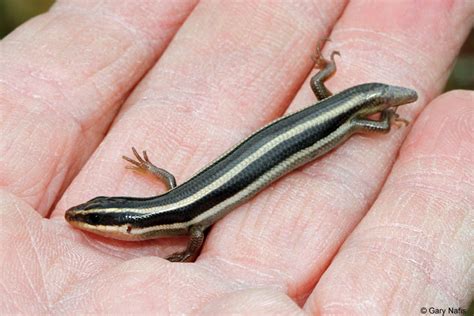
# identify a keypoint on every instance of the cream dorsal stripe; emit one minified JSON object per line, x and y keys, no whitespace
{"x":293,"y":132}
{"x":292,"y":162}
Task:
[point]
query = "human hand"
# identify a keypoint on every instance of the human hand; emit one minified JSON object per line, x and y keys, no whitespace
{"x":362,"y":230}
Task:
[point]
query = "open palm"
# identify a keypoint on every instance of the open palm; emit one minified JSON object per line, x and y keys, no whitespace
{"x":381,"y":225}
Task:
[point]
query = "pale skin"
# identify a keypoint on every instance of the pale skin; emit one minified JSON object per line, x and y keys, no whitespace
{"x":381,"y":225}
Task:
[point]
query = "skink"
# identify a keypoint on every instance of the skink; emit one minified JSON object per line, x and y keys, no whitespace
{"x":239,"y":174}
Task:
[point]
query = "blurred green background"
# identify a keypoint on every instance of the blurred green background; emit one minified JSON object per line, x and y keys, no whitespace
{"x":15,"y":12}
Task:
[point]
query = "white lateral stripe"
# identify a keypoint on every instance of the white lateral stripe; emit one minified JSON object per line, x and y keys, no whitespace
{"x":247,"y":191}
{"x":231,"y":173}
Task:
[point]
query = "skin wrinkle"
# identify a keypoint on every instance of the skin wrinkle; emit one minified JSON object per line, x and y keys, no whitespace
{"x":386,"y":36}
{"x":386,"y":49}
{"x":15,"y":252}
{"x":88,"y":80}
{"x":432,"y":193}
{"x":49,"y":199}
{"x":196,"y":108}
{"x":10,"y":295}
{"x":102,"y":247}
{"x":38,"y":98}
{"x":285,"y":236}
{"x":110,"y":106}
{"x":249,"y":220}
{"x":300,"y":221}
{"x":430,"y":157}
{"x":426,"y":254}
{"x":284,"y":103}
{"x":71,"y":301}
{"x":321,"y":18}
{"x":412,"y":180}
{"x":143,"y":37}
{"x":391,"y":304}
{"x":264,"y":276}
{"x":388,"y":251}
{"x":395,"y":284}
{"x":340,"y":173}
{"x":48,"y":275}
{"x":142,"y":41}
{"x":240,"y":228}
{"x":36,"y":32}
{"x":47,"y":202}
{"x":25,"y":270}
{"x":331,"y":174}
{"x":417,"y":81}
{"x":41,"y":81}
{"x":258,"y":223}
{"x":187,"y":101}
{"x":37,"y":258}
{"x":6,"y":174}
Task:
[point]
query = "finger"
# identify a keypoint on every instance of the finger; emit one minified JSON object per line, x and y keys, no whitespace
{"x":64,"y":76}
{"x":295,"y":227}
{"x":252,"y":302}
{"x":414,"y":248}
{"x":230,"y":69}
{"x":38,"y":260}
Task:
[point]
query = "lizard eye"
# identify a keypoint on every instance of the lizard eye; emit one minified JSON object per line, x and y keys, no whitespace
{"x":94,"y":218}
